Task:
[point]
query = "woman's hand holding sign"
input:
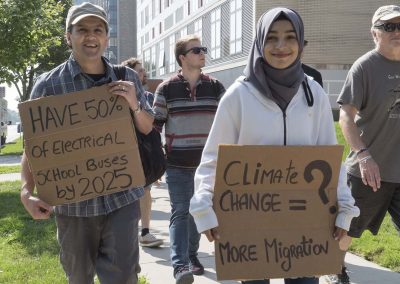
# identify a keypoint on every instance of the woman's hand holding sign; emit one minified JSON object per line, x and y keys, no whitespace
{"x":212,"y":234}
{"x":341,"y":236}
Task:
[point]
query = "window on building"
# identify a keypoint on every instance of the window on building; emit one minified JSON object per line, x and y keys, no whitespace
{"x":235,"y":41}
{"x":151,"y":11}
{"x":112,"y":57}
{"x":153,"y":69}
{"x":146,"y":15}
{"x":169,"y":22}
{"x":183,"y":32}
{"x":179,"y":15}
{"x":153,"y":8}
{"x":216,"y":33}
{"x":195,"y":5}
{"x":139,"y":46}
{"x":171,"y":57}
{"x":153,"y":32}
{"x":142,"y":18}
{"x":147,"y":63}
{"x":198,"y":28}
{"x":112,"y":41}
{"x":157,"y":6}
{"x":161,"y":58}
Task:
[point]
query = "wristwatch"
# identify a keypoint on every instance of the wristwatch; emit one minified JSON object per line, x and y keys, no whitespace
{"x":362,"y":150}
{"x":138,"y":109}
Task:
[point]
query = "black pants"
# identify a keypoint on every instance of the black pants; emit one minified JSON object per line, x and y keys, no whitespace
{"x":373,"y":206}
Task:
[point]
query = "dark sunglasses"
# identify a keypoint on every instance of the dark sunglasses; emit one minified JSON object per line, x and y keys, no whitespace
{"x":388,"y":27}
{"x":196,"y":50}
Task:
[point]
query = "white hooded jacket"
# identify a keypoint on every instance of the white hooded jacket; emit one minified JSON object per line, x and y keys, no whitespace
{"x":246,"y":117}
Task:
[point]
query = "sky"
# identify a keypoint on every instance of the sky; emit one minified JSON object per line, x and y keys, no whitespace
{"x":11,"y":95}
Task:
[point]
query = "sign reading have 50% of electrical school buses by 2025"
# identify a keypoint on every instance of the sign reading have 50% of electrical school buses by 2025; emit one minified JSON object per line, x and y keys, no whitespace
{"x":80,"y":145}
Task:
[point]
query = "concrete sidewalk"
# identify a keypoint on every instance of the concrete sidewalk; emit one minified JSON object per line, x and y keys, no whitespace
{"x":157,"y":268}
{"x":12,"y":160}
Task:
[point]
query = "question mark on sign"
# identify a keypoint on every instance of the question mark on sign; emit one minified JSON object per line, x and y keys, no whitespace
{"x":326,"y":171}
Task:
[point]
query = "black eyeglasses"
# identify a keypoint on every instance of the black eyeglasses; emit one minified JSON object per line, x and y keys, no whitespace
{"x":196,"y":50}
{"x":388,"y":27}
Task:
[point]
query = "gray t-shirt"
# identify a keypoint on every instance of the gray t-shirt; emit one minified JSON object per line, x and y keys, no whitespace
{"x":373,"y":87}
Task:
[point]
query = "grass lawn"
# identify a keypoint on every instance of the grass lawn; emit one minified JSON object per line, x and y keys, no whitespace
{"x":28,"y":248}
{"x":383,"y":249}
{"x":341,"y":141}
{"x":12,"y":148}
{"x":10,"y":169}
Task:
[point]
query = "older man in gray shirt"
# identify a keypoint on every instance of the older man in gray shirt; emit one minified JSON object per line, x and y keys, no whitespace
{"x":370,"y":120}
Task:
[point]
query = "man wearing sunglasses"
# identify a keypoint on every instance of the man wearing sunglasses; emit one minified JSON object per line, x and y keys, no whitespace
{"x":185,"y":105}
{"x":370,"y":120}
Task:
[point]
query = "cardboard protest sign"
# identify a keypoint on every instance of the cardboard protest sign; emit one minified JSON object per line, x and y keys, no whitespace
{"x":276,"y":209}
{"x":80,"y":145}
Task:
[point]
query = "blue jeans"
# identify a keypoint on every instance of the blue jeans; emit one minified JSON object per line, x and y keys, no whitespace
{"x":303,"y":280}
{"x":183,"y":234}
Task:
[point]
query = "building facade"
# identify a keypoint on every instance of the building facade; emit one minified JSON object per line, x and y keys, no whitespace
{"x":122,"y":22}
{"x":338,"y":32}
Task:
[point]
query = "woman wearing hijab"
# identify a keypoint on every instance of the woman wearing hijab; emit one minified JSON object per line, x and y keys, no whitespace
{"x":273,"y":104}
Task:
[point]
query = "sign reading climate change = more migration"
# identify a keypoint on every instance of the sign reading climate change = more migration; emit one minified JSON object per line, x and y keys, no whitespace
{"x":276,"y":208}
{"x":80,"y":145}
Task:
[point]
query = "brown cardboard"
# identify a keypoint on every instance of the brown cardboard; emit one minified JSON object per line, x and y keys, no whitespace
{"x":274,"y":223}
{"x":152,"y":84}
{"x":80,"y":145}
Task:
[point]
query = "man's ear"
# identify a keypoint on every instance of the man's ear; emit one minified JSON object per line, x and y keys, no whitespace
{"x":68,"y":38}
{"x":182,"y":57}
{"x":374,"y":37}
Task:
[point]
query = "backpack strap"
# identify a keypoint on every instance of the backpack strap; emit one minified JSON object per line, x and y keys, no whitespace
{"x":308,"y":93}
{"x":120,"y":72}
{"x":216,"y":88}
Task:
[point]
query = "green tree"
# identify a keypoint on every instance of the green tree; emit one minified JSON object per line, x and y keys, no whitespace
{"x":33,"y":40}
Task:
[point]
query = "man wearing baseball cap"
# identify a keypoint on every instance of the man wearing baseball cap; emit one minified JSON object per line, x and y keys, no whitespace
{"x":99,"y":235}
{"x":370,"y":121}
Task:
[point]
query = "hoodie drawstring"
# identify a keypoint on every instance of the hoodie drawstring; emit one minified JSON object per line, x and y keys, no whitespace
{"x":308,"y":93}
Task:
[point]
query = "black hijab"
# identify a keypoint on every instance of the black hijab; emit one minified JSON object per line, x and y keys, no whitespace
{"x":280,"y":85}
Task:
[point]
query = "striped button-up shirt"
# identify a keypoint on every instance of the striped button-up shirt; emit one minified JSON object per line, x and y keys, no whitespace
{"x":67,"y":78}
